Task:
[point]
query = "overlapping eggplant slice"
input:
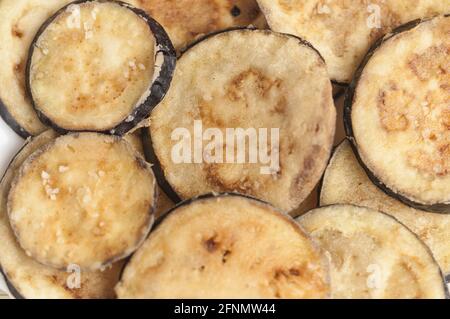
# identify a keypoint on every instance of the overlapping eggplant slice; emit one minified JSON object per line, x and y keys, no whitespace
{"x":75,"y":201}
{"x":225,"y":246}
{"x":26,"y":277}
{"x":343,"y":30}
{"x":99,"y":66}
{"x":185,"y":20}
{"x":254,"y":80}
{"x":372,"y":255}
{"x":397,"y":114}
{"x":345,"y":182}
{"x":19,"y":22}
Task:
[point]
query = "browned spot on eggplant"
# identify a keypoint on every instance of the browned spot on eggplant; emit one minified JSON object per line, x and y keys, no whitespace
{"x":393,"y":104}
{"x":16,"y":32}
{"x":251,"y":81}
{"x":225,"y":256}
{"x":432,"y":64}
{"x":211,"y":244}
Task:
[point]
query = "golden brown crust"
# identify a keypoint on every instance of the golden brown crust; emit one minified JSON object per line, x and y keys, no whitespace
{"x":372,"y":255}
{"x":225,"y":247}
{"x":185,"y":20}
{"x":19,"y":22}
{"x":31,"y":279}
{"x":92,"y":66}
{"x":400,"y":126}
{"x":82,"y":179}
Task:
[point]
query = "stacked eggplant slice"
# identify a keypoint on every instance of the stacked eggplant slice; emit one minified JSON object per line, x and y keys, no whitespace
{"x":171,"y":142}
{"x":261,"y":80}
{"x":344,"y":30}
{"x":201,"y":251}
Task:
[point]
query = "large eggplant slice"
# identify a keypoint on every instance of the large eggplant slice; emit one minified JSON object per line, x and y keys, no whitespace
{"x":397,"y":114}
{"x":225,"y":246}
{"x":99,"y":66}
{"x":185,"y":20}
{"x":29,"y":279}
{"x":372,"y":255}
{"x":86,"y":199}
{"x":343,"y":30}
{"x":19,"y":22}
{"x":253,"y":81}
{"x":345,"y":182}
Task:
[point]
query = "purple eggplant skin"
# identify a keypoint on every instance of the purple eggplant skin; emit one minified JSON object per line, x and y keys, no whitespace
{"x":349,"y":98}
{"x":151,"y":157}
{"x":11,"y":121}
{"x":159,"y":87}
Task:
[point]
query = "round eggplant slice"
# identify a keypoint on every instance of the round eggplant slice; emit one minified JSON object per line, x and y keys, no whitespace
{"x":19,"y":22}
{"x":27,"y":278}
{"x":225,"y":246}
{"x":398,"y":117}
{"x":99,"y":66}
{"x":86,"y":199}
{"x":344,"y":30}
{"x":345,"y":182}
{"x":372,"y":255}
{"x":184,"y":20}
{"x":257,"y":108}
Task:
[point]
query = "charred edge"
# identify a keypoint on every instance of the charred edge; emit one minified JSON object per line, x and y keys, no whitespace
{"x":348,"y":103}
{"x":151,"y":157}
{"x":159,"y":87}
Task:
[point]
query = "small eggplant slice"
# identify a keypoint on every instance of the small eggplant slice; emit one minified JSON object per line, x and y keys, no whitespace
{"x":99,"y":66}
{"x":86,"y":199}
{"x":19,"y":22}
{"x":255,"y":82}
{"x":225,"y":246}
{"x":398,"y":118}
{"x":185,"y":20}
{"x":372,"y":255}
{"x":345,"y":182}
{"x":26,"y":278}
{"x":344,"y":30}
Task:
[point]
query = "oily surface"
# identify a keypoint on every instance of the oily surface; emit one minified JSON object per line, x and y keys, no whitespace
{"x":228,"y":82}
{"x":92,"y":66}
{"x":402,"y":128}
{"x":83,"y":179}
{"x":346,"y":182}
{"x":32,"y":279}
{"x":225,"y":247}
{"x":372,"y":255}
{"x":344,"y":30}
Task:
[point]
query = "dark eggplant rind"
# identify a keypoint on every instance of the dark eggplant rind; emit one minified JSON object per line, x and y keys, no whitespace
{"x":12,"y":122}
{"x":163,"y":49}
{"x":317,"y":268}
{"x":443,"y":208}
